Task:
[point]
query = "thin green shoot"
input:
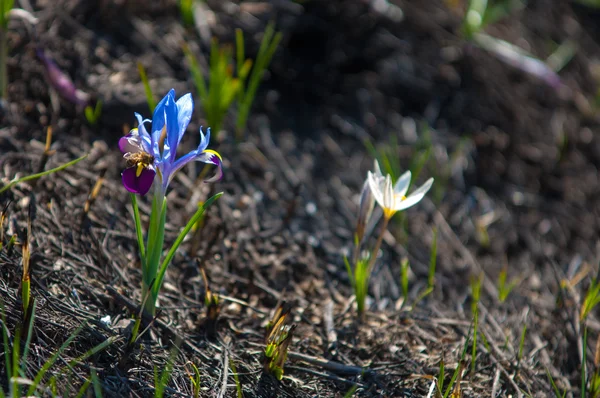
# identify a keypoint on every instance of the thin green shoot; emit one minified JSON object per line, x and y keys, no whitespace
{"x":194,"y":379}
{"x":555,"y":387}
{"x":96,"y":384}
{"x":350,"y":393}
{"x":441,"y":376}
{"x":359,"y":279}
{"x":150,"y":99}
{"x":474,"y":17}
{"x":6,"y":343}
{"x":11,"y":243}
{"x":423,"y":153}
{"x":563,"y":54}
{"x":5,"y":7}
{"x":161,"y":382}
{"x":238,"y":385}
{"x":30,"y":321}
{"x":48,"y":364}
{"x":459,"y":368}
{"x":186,"y":10}
{"x":26,"y":277}
{"x":92,"y":114}
{"x":92,"y":351}
{"x":135,"y":331}
{"x":505,"y":287}
{"x":267,"y":48}
{"x":521,"y":345}
{"x":16,"y":350}
{"x":404,"y":266}
{"x":584,"y":363}
{"x":216,"y":97}
{"x":84,"y":387}
{"x":485,"y":342}
{"x":501,"y":9}
{"x":476,"y":297}
{"x":422,"y":295}
{"x":592,"y":298}
{"x":432,"y":261}
{"x":42,"y":174}
{"x":387,"y":156}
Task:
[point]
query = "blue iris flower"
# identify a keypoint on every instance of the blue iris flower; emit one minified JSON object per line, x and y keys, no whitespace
{"x":152,"y":154}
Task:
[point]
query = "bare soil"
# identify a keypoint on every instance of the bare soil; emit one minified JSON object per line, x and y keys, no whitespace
{"x":513,"y":159}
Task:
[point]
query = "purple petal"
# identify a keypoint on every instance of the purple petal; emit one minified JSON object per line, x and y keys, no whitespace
{"x":134,"y":184}
{"x":132,"y":142}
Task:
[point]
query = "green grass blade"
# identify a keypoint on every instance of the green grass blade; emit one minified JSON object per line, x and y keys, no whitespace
{"x":165,"y":375}
{"x":147,"y":89}
{"x":83,"y":388}
{"x":404,"y":265}
{"x":96,"y":384}
{"x":6,"y":342}
{"x":28,"y":339}
{"x":42,"y":174}
{"x":16,"y":350}
{"x":197,"y":76}
{"x":459,"y":367}
{"x":238,"y":385}
{"x":267,"y":48}
{"x":48,"y":364}
{"x":584,"y":364}
{"x":432,"y":261}
{"x":349,"y":271}
{"x":441,"y":376}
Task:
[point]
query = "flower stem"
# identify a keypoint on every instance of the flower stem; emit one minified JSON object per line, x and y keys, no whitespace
{"x":154,"y":248}
{"x":375,"y":251}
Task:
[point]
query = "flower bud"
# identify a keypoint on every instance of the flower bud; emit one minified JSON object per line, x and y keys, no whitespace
{"x":61,"y":82}
{"x":367,"y":202}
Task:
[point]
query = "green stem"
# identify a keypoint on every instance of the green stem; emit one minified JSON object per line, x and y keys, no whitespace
{"x":199,"y":213}
{"x":375,"y":251}
{"x":154,"y":247}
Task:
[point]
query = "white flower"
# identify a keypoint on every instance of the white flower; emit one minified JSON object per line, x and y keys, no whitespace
{"x":393,"y":198}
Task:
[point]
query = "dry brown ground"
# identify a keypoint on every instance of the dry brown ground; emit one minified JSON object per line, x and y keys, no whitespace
{"x":344,"y":74}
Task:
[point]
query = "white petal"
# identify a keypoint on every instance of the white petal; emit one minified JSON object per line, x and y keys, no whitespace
{"x":402,"y":184}
{"x":375,"y":188}
{"x":377,"y":169}
{"x":414,"y":197}
{"x":388,"y":193}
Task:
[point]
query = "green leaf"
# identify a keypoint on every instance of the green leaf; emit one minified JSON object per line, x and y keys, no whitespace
{"x":43,"y":173}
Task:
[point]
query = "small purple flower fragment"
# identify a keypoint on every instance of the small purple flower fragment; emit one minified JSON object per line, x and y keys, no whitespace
{"x":61,"y":82}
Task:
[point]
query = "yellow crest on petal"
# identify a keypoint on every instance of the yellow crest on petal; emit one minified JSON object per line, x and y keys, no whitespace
{"x":213,"y":153}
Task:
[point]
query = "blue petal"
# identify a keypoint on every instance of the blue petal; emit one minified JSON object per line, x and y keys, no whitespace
{"x":204,"y":140}
{"x":143,"y":133}
{"x":159,"y":120}
{"x":184,"y":109}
